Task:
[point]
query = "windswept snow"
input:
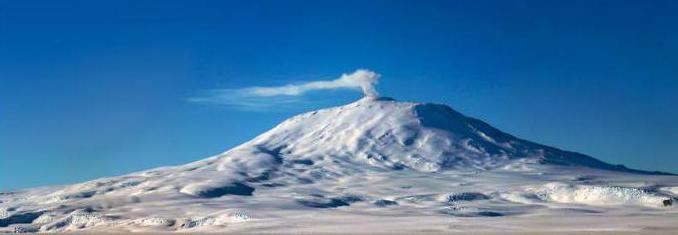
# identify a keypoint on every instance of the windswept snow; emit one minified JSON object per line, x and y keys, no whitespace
{"x":374,"y":163}
{"x":672,"y":190}
{"x":598,"y":195}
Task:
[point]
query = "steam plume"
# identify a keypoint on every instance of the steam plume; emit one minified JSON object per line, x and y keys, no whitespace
{"x":360,"y":79}
{"x":263,"y":98}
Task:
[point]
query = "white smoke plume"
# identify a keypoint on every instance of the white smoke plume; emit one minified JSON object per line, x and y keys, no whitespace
{"x":360,"y":79}
{"x":260,"y":98}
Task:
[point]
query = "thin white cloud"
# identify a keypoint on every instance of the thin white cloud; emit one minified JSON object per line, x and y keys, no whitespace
{"x":259,"y":98}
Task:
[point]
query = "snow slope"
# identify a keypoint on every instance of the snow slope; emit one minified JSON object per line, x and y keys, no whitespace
{"x":376,"y":163}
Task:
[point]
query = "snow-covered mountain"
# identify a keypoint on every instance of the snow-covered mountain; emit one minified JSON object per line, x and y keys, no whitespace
{"x":376,"y":163}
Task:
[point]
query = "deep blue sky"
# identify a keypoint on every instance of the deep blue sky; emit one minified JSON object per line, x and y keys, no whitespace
{"x":95,"y":88}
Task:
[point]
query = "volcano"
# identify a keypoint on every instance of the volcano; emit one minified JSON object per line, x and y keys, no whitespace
{"x":376,"y":164}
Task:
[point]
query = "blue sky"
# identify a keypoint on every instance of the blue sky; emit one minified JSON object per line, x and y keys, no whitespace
{"x":101,"y":88}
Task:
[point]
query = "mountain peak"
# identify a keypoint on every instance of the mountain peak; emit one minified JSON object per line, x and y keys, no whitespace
{"x":414,"y":156}
{"x":390,"y":134}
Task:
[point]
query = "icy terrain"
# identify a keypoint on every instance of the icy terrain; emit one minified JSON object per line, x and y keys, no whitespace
{"x":376,"y":164}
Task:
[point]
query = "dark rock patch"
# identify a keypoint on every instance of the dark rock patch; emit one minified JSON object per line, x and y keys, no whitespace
{"x":460,"y":212}
{"x":490,"y":214}
{"x":262,"y":177}
{"x":23,"y":218}
{"x":324,"y":203}
{"x":79,"y":195}
{"x":307,"y":162}
{"x":398,"y":166}
{"x":585,"y":178}
{"x":320,"y":202}
{"x":304,"y":181}
{"x":384,"y":203}
{"x":467,"y":196}
{"x":351,"y":198}
{"x":239,"y":189}
{"x":273,"y":185}
{"x":275,"y":153}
